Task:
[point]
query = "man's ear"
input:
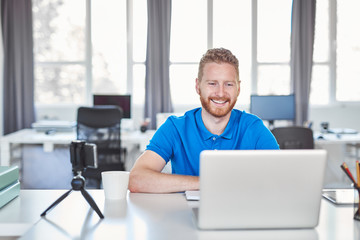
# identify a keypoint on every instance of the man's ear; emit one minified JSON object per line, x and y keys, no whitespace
{"x":197,"y":85}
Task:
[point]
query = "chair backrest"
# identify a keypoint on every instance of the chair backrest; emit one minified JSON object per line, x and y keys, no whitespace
{"x":99,"y":116}
{"x":101,"y":125}
{"x":294,"y":137}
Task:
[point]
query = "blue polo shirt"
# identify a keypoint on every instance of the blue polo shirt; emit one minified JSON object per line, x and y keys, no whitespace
{"x":181,"y":139}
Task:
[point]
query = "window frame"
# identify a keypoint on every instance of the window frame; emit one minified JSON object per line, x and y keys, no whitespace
{"x":331,"y":63}
{"x":255,"y":64}
{"x":87,"y":61}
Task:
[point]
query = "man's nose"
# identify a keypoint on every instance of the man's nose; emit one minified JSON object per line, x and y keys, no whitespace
{"x":220,"y":90}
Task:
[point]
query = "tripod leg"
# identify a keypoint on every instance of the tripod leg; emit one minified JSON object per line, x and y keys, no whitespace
{"x":56,"y":202}
{"x":91,"y":202}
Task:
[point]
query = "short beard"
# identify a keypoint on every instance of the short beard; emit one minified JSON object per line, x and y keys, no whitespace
{"x":219,"y":113}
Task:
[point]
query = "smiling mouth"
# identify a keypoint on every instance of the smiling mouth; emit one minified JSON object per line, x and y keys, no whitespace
{"x":218,"y":101}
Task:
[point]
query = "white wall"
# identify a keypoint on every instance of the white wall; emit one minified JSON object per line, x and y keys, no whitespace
{"x":69,"y":113}
{"x":56,"y":112}
{"x":338,"y":116}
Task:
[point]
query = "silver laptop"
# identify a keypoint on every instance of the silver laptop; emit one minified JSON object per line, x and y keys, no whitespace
{"x":260,"y":189}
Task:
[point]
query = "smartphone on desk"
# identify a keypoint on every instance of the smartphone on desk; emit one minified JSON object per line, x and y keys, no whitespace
{"x":340,"y":196}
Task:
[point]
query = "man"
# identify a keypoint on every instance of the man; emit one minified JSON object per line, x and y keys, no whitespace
{"x":214,"y":126}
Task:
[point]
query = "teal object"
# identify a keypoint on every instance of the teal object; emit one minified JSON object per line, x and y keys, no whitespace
{"x":9,"y":193}
{"x":8,"y":175}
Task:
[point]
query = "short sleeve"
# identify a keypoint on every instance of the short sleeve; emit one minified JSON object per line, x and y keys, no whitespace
{"x":163,"y":141}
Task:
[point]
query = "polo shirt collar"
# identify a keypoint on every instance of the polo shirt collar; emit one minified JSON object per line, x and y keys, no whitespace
{"x":206,"y":134}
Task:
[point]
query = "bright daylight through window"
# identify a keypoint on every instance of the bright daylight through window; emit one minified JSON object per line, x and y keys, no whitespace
{"x":83,"y":48}
{"x":59,"y":49}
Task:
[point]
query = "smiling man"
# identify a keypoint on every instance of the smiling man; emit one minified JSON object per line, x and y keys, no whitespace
{"x":217,"y":125}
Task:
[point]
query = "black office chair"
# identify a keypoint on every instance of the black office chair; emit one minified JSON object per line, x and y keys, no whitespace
{"x":101,"y":125}
{"x":294,"y":137}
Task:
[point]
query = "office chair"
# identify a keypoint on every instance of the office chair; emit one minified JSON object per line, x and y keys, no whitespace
{"x":294,"y":137}
{"x":101,"y":125}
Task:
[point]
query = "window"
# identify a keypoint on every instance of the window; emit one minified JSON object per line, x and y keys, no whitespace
{"x":347,"y":52}
{"x":91,"y":46}
{"x":335,"y":76}
{"x":233,"y":32}
{"x":273,"y":47}
{"x":109,"y":53}
{"x":247,"y":29}
{"x":59,"y":49}
{"x":188,"y":42}
{"x":136,"y":75}
{"x":88,"y":46}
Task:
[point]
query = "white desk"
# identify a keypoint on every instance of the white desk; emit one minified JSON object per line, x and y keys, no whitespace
{"x":145,"y":216}
{"x":19,"y":215}
{"x":330,"y":138}
{"x":30,"y":136}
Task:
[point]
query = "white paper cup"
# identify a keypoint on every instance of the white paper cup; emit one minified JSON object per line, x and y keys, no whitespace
{"x":115,"y":208}
{"x":115,"y":184}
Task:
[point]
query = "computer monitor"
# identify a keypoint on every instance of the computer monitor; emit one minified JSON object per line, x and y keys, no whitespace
{"x":123,"y":101}
{"x":273,"y":107}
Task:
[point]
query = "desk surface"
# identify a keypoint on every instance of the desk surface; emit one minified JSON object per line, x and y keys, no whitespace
{"x":146,"y":216}
{"x":331,"y":138}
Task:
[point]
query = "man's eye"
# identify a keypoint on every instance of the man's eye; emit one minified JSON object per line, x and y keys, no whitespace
{"x":230,"y":84}
{"x":211,"y":83}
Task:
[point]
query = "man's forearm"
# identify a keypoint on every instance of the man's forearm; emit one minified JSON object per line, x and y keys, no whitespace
{"x":155,"y":182}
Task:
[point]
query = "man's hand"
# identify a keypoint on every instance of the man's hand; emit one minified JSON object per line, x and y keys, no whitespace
{"x":146,"y":176}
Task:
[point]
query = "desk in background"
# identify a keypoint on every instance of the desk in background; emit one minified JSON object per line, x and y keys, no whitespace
{"x":44,"y":160}
{"x":145,"y":216}
{"x":340,"y":148}
{"x":32,"y":137}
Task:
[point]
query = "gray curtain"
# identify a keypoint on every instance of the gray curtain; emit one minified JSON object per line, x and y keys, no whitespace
{"x":157,"y":80}
{"x":18,"y":95}
{"x":302,"y":41}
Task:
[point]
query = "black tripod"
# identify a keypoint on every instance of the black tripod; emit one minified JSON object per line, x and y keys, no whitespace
{"x":77,"y":183}
{"x":82,"y":155}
